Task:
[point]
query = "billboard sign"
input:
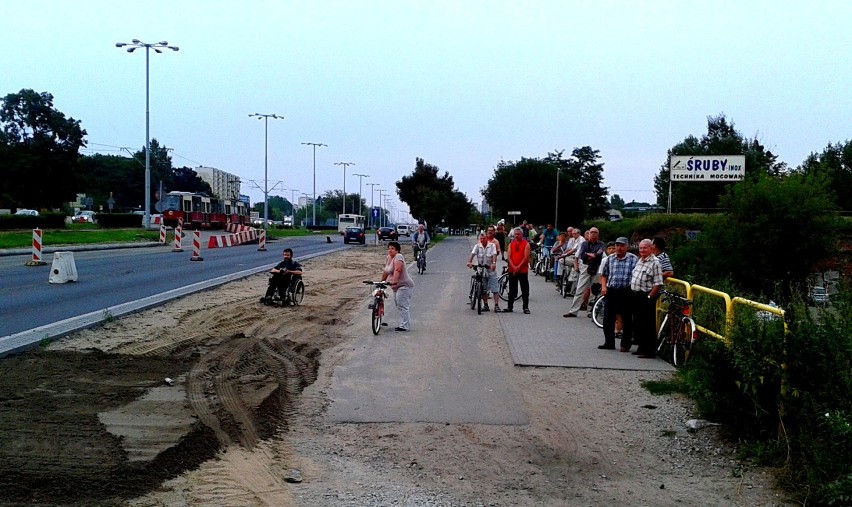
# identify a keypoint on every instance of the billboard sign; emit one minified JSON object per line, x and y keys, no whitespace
{"x":707,"y":168}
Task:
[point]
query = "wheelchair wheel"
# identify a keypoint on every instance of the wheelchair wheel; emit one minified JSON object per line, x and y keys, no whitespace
{"x":298,"y":293}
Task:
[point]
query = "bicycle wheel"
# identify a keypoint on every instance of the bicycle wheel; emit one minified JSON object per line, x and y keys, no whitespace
{"x":421,"y":264}
{"x":378,"y":307}
{"x":503,"y":284}
{"x":683,"y":344}
{"x":664,"y":337}
{"x":475,"y":294}
{"x":479,"y":298}
{"x":298,"y":293}
{"x":598,"y":311}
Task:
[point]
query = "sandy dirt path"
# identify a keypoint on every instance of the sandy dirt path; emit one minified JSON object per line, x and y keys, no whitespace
{"x":90,"y":420}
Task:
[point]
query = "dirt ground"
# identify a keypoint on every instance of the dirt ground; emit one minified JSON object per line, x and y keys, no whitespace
{"x":90,"y":420}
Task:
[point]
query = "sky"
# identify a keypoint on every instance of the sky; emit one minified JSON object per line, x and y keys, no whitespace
{"x":460,"y":84}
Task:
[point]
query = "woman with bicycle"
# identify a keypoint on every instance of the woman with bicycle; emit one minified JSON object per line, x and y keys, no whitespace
{"x":402,"y":285}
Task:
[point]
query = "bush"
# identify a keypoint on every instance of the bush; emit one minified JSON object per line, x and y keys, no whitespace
{"x":787,"y":396}
{"x":119,"y":220}
{"x":43,"y":221}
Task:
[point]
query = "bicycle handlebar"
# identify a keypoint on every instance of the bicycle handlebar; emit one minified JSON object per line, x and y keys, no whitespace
{"x":674,"y":297}
{"x":382,"y":284}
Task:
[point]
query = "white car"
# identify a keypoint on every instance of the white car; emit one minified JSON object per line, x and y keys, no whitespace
{"x":402,"y":230}
{"x":27,"y":212}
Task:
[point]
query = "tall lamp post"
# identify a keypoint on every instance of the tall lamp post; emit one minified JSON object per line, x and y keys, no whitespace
{"x":314,"y":145}
{"x":372,"y":189}
{"x":306,"y":211}
{"x":265,"y":118}
{"x":382,"y":203}
{"x":292,"y":209}
{"x":132,"y":46}
{"x":345,"y":165}
{"x":360,"y":181}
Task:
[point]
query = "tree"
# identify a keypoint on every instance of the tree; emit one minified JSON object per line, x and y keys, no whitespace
{"x":752,"y":243}
{"x":587,"y":173}
{"x":721,"y":139}
{"x":38,"y":151}
{"x":616,"y":202}
{"x":431,"y":198}
{"x":835,"y":162}
{"x":529,"y":186}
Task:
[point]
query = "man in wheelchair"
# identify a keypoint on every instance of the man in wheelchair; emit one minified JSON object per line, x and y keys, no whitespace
{"x":286,"y":276}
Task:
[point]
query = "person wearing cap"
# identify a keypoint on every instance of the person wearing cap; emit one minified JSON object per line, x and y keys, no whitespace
{"x":645,"y":282}
{"x":615,"y":286}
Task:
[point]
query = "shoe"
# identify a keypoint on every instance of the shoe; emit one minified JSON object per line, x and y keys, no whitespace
{"x":497,"y":309}
{"x":486,"y":309}
{"x":645,"y":356}
{"x":584,"y":308}
{"x":636,"y":353}
{"x":400,"y":329}
{"x":567,"y":315}
{"x":606,"y":347}
{"x":589,"y":315}
{"x":507,"y":310}
{"x":527,"y":311}
{"x":618,"y":334}
{"x":624,"y":349}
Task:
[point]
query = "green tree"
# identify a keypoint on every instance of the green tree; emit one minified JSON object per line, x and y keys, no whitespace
{"x":432,"y":198}
{"x":721,"y":139}
{"x":616,"y":202}
{"x":587,"y":173}
{"x":835,"y":162}
{"x":38,"y":151}
{"x":776,"y":230}
{"x":529,"y":186}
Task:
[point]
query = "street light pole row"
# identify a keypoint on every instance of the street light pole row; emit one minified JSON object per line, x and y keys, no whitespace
{"x":314,"y":145}
{"x":132,"y":46}
{"x":265,"y":118}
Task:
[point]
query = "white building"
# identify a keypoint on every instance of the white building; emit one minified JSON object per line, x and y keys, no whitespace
{"x":223,"y":184}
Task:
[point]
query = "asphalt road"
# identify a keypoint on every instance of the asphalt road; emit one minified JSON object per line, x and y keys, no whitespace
{"x":112,"y":281}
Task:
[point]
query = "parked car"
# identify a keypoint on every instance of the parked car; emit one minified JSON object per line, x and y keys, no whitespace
{"x":387,"y":233}
{"x":354,"y":235}
{"x":83,"y":217}
{"x":819,"y":296}
{"x":27,"y":212}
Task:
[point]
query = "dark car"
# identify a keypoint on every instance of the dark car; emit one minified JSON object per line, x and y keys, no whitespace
{"x":387,"y":233}
{"x":354,"y":235}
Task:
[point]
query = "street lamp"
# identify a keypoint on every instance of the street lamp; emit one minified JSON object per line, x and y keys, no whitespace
{"x":293,"y":196}
{"x":372,"y":189}
{"x":360,"y":180}
{"x":315,"y":177}
{"x":265,"y":118}
{"x":345,"y":165}
{"x":132,"y":46}
{"x":382,"y":203}
{"x":306,"y":211}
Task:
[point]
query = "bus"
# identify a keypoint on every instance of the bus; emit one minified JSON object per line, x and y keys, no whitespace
{"x":349,"y":220}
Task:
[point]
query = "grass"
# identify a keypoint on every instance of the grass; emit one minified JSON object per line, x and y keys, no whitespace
{"x":89,"y":234}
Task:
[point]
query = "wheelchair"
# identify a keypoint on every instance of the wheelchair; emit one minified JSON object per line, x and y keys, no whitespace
{"x":293,"y":294}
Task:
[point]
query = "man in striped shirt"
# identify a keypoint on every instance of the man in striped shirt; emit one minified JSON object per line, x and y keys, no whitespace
{"x":615,"y":285}
{"x":645,"y":282}
{"x":663,"y":257}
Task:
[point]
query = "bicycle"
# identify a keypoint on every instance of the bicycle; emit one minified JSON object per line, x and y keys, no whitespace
{"x":678,"y":330}
{"x":477,"y":286}
{"x":503,"y":284}
{"x":596,"y":304}
{"x":379,"y":294}
{"x":421,"y":260}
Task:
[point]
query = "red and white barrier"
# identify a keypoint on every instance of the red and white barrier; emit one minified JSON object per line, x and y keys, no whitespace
{"x":36,"y":260}
{"x":233,"y":228}
{"x":178,"y":235}
{"x":196,"y":246}
{"x":162,"y":234}
{"x":262,"y":241}
{"x":235,"y":239}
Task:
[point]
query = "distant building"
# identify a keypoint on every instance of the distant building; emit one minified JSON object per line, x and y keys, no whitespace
{"x":223,"y":184}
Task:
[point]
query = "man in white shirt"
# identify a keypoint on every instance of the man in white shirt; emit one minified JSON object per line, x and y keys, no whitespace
{"x":485,"y":253}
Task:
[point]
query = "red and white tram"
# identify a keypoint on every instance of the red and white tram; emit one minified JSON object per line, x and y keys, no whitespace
{"x":199,"y":211}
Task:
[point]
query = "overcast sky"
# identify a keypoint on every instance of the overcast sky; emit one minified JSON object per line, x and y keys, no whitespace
{"x":461,"y":84}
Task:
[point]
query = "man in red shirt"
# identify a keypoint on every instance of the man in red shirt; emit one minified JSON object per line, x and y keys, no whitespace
{"x":519,"y":266}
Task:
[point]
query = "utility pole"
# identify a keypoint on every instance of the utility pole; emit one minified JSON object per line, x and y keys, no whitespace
{"x":314,"y":145}
{"x":360,"y":180}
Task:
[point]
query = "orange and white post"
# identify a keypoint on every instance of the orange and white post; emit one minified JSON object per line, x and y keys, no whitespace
{"x":196,"y":246}
{"x":178,"y":234}
{"x":262,"y":241}
{"x":162,"y":233}
{"x":36,"y":260}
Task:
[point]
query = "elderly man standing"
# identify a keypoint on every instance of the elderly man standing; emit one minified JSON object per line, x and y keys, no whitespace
{"x":645,"y":282}
{"x":615,"y":285}
{"x":591,"y":253}
{"x":519,"y":266}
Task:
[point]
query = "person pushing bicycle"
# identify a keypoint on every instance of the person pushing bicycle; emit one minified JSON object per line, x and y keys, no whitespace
{"x":485,"y":253}
{"x":420,"y":241}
